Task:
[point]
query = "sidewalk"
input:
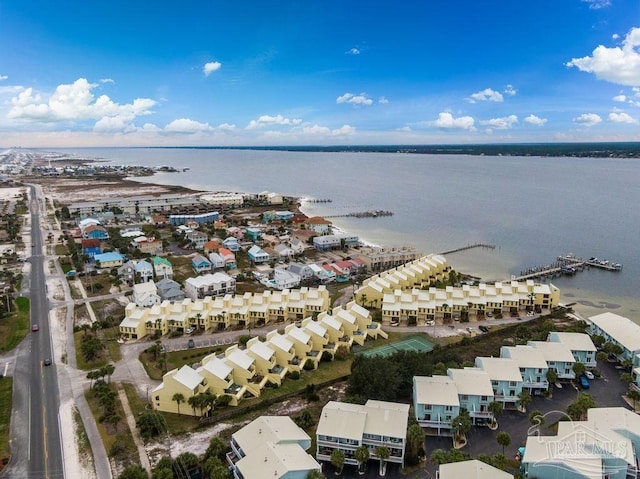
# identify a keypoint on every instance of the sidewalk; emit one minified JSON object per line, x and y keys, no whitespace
{"x":142,"y":452}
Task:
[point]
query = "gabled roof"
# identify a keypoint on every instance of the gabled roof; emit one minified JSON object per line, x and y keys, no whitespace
{"x":500,"y":369}
{"x":473,"y":469}
{"x":187,"y":377}
{"x":574,"y":341}
{"x":471,"y":381}
{"x":553,"y":351}
{"x":622,"y":329}
{"x":262,"y":350}
{"x":276,"y":461}
{"x":273,"y":429}
{"x":217,"y":367}
{"x":241,"y":358}
{"x":436,"y":390}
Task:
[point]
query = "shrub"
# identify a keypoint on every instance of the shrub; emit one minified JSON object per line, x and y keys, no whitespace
{"x":295,"y":375}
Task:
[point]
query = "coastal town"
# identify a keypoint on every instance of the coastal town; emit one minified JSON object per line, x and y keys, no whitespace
{"x":229,"y":335}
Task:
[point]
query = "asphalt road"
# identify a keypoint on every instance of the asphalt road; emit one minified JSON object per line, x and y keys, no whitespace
{"x":36,"y":444}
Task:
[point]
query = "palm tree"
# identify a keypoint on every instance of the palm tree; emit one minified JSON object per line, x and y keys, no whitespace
{"x":626,"y":378}
{"x":552,"y":376}
{"x":601,"y":356}
{"x":361,"y":454}
{"x":315,"y":474}
{"x":194,"y":402}
{"x":524,"y":399}
{"x":579,"y":368}
{"x":108,"y":370}
{"x":337,"y":460}
{"x":383,"y":454}
{"x":415,"y":439}
{"x":634,"y":395}
{"x":495,"y":408}
{"x":178,"y":398}
{"x":503,"y":439}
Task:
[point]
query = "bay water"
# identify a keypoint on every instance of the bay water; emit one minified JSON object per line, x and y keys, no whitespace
{"x":532,"y":209}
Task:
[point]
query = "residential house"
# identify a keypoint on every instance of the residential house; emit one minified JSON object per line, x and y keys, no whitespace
{"x":580,"y":345}
{"x":284,"y":348}
{"x":617,"y":330}
{"x":144,"y":271}
{"x":236,"y":232}
{"x":244,"y":370}
{"x":148,"y":245}
{"x":266,"y":360}
{"x":285,"y":279}
{"x":216,"y":261}
{"x":158,"y":220}
{"x":436,"y":403}
{"x":200,"y":264}
{"x":322,"y":275}
{"x":145,"y":295}
{"x":252,"y":234}
{"x":200,"y":219}
{"x":303,"y":270}
{"x":219,"y":376}
{"x":211,"y":246}
{"x":505,"y":377}
{"x":318,"y":225}
{"x":216,"y":284}
{"x":198,"y":238}
{"x":475,"y":392}
{"x":472,"y":469}
{"x":296,"y":246}
{"x":532,"y":365}
{"x":271,"y":446}
{"x":109,"y":260}
{"x":303,"y":345}
{"x":347,"y":426}
{"x":257,"y":255}
{"x":229,"y":199}
{"x":333,"y":242}
{"x":98,"y":232}
{"x":169,"y":290}
{"x":127,"y":272}
{"x":183,"y":381}
{"x":231,"y":243}
{"x":91,"y":247}
{"x":558,"y":357}
{"x":283,"y":252}
{"x":228,"y":257}
{"x":162,"y":267}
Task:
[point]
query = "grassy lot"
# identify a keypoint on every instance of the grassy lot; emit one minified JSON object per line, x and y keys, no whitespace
{"x":181,"y":267}
{"x":96,"y":285}
{"x":175,"y":359}
{"x":6,"y":388}
{"x":15,"y":326}
{"x":61,"y":250}
{"x":108,"y":435}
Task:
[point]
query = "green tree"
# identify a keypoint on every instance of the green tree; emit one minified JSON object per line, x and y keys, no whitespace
{"x":415,"y":442}
{"x":383,"y":454}
{"x":626,"y":378}
{"x":601,"y":356}
{"x":552,"y":376}
{"x":149,"y":423}
{"x":217,"y":449}
{"x":461,"y":424}
{"x":536,"y":418}
{"x":178,"y":398}
{"x":598,"y":340}
{"x":524,"y":399}
{"x":134,"y":472}
{"x":315,"y":474}
{"x":438,"y":456}
{"x":634,"y":395}
{"x":361,"y":454}
{"x":503,"y":439}
{"x":495,"y":408}
{"x":337,"y":460}
{"x":579,"y":368}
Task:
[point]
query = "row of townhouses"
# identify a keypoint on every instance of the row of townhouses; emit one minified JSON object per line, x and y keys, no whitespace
{"x":438,"y":399}
{"x":245,"y":372}
{"x":222,"y":312}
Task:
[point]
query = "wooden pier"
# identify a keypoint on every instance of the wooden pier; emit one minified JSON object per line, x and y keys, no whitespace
{"x":567,"y":265}
{"x":363,"y":214}
{"x":470,"y":246}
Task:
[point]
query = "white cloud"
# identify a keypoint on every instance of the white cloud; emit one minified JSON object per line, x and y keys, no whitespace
{"x":622,"y":117}
{"x":75,"y":102}
{"x":211,"y":67}
{"x":344,"y":130}
{"x":535,"y":120}
{"x":315,"y":130}
{"x":383,"y":100}
{"x":503,"y":123}
{"x":226,"y":127}
{"x":353,"y":51}
{"x":486,"y":95}
{"x":113,"y":124}
{"x":3,"y":77}
{"x":107,"y":80}
{"x":615,"y":36}
{"x":447,"y":121}
{"x":615,"y":65}
{"x":621,"y":98}
{"x":268,"y":120}
{"x":185,"y":125}
{"x":597,"y":4}
{"x":510,"y":91}
{"x":356,"y":100}
{"x":588,"y":119}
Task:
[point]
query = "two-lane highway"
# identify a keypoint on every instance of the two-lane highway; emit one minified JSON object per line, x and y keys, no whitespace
{"x":36,"y":443}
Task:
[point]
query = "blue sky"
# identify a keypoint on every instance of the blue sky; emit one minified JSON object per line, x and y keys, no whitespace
{"x":205,"y":72}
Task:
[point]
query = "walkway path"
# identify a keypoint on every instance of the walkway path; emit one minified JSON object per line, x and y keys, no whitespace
{"x":142,"y":452}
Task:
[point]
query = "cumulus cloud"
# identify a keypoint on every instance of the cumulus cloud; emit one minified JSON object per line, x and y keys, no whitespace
{"x":622,"y":117}
{"x":597,"y":4}
{"x":226,"y":127}
{"x":588,"y":119}
{"x":268,"y":120}
{"x":315,"y":130}
{"x":535,"y":120}
{"x":509,"y":90}
{"x":113,"y":124}
{"x":503,"y":123}
{"x":447,"y":121}
{"x":211,"y":67}
{"x":3,"y":77}
{"x":186,"y":125}
{"x":344,"y":130}
{"x":486,"y":95}
{"x":615,"y":36}
{"x":615,"y":65}
{"x":621,"y":98}
{"x":75,"y":102}
{"x":356,"y":100}
{"x":107,"y":80}
{"x":382,"y":100}
{"x":353,"y":51}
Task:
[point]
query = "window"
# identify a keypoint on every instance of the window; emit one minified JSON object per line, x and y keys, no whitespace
{"x":448,"y":408}
{"x":464,"y":397}
{"x":484,"y":398}
{"x":512,"y":384}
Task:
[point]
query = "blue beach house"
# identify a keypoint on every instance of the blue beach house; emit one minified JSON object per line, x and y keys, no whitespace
{"x":257,"y":255}
{"x":533,"y":367}
{"x":580,"y":344}
{"x":474,"y":392}
{"x":436,"y":403}
{"x":506,"y":380}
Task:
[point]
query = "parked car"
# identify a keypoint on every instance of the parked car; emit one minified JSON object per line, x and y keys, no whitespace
{"x":191,"y":344}
{"x":35,"y":327}
{"x":190,"y":330}
{"x":589,"y":375}
{"x":530,"y":313}
{"x":489,"y":314}
{"x":584,"y":382}
{"x":484,"y":329}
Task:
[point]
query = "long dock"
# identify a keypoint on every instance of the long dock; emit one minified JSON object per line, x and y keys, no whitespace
{"x":363,"y":214}
{"x":567,"y":265}
{"x":469,"y":246}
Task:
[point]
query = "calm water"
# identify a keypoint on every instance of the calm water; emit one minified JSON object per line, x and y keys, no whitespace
{"x":533,"y":209}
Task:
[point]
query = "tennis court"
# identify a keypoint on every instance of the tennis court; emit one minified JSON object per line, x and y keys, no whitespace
{"x":414,"y":343}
